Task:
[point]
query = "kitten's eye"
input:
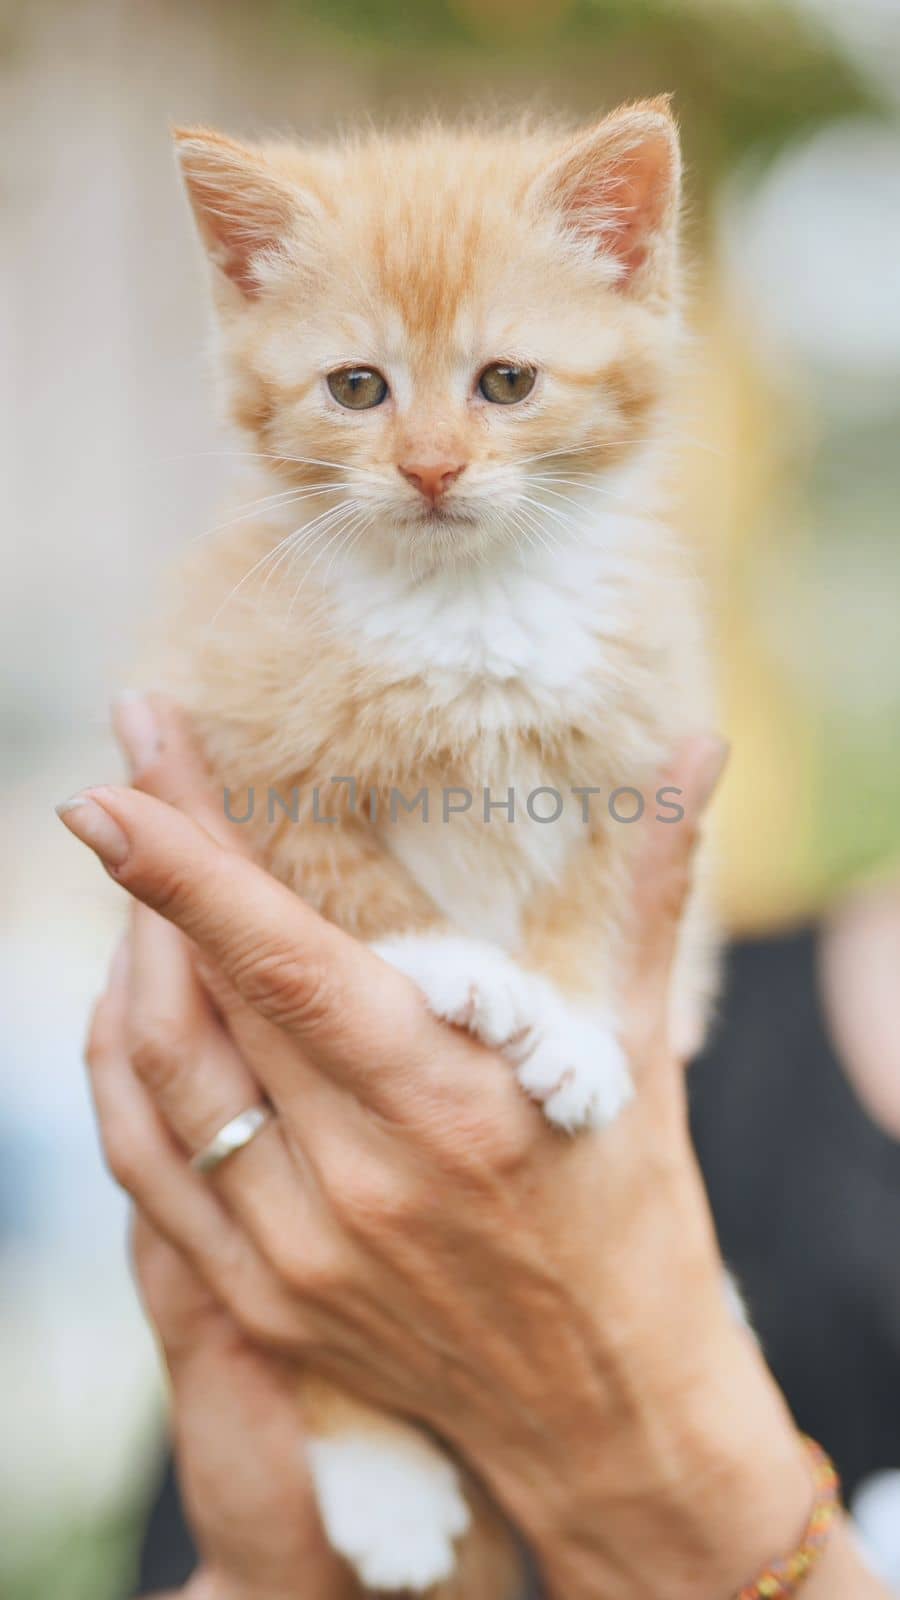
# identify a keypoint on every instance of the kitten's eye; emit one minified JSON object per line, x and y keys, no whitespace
{"x":505,"y":384}
{"x":358,"y":388}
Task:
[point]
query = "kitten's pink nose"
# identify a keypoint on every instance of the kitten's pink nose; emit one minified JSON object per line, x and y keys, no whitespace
{"x":433,"y":480}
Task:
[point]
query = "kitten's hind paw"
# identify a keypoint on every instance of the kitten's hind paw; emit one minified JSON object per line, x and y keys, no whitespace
{"x":391,"y":1505}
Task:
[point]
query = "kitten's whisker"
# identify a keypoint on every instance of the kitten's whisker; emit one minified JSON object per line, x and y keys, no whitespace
{"x":269,"y":555}
{"x":550,"y":455}
{"x":330,"y":533}
{"x":585,"y":482}
{"x":265,"y":455}
{"x":363,"y":528}
{"x":523,"y":529}
{"x":625,"y":510}
{"x":303,"y":538}
{"x":267,"y":503}
{"x":667,"y":438}
{"x":567,"y":500}
{"x":537,"y":480}
{"x":309,"y":536}
{"x":345,"y":533}
{"x":542,"y":533}
{"x":245,"y":579}
{"x":563,"y":519}
{"x":577,"y":508}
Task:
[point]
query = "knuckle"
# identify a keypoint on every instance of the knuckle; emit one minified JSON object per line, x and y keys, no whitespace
{"x":510,"y":1141}
{"x":124,"y":1160}
{"x":241,"y":1283}
{"x":310,"y":1268}
{"x":287,"y":1256}
{"x":374,"y":1200}
{"x":271,"y":1325}
{"x":158,"y":1054}
{"x":184,"y":888}
{"x":172,"y":888}
{"x":489,"y":1134}
{"x":324,"y":1274}
{"x":254,"y":1317}
{"x":497,"y":1150}
{"x":285,"y":985}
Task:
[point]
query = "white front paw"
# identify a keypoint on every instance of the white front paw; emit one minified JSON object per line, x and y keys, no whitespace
{"x":572,"y":1063}
{"x":474,"y":985}
{"x":565,"y":1056}
{"x":391,"y":1505}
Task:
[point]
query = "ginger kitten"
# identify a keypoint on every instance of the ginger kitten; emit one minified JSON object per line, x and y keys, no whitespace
{"x":449,"y":354}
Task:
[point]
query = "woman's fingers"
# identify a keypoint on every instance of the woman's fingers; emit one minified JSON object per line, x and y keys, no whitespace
{"x":198,"y":1082}
{"x":664,"y":874}
{"x":180,"y":1204}
{"x":350,"y":1014}
{"x":179,"y":1303}
{"x":238,"y":1439}
{"x":164,"y":760}
{"x":176,"y":1045}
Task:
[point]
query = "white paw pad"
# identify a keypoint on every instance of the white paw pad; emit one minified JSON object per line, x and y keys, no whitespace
{"x":473,"y":985}
{"x":391,"y":1505}
{"x":566,"y":1057}
{"x":572,"y":1062}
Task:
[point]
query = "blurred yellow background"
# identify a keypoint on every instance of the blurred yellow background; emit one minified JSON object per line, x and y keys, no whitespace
{"x":788,"y":477}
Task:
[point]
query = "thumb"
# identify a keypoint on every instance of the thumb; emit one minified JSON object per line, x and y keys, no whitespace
{"x":664,"y":877}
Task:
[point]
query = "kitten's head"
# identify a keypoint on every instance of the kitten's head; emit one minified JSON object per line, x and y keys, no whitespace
{"x":450,"y":332}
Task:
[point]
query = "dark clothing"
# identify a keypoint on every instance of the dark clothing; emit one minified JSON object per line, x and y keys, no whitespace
{"x":805,"y":1190}
{"x":806,"y":1194}
{"x":167,"y":1555}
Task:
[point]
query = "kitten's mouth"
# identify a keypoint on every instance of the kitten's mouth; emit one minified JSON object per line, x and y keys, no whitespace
{"x":442,"y":516}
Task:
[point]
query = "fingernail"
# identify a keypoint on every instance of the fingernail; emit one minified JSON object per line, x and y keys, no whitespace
{"x":136,"y":727}
{"x":95,"y":828}
{"x":713,"y":762}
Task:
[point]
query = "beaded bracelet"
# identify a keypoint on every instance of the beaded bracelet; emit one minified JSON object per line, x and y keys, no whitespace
{"x":784,"y":1580}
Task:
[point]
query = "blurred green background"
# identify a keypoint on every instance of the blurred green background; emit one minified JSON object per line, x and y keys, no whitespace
{"x":788,"y":479}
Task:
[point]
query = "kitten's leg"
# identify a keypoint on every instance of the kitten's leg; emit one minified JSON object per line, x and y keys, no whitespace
{"x":396,"y":1507}
{"x":490,"y":1563}
{"x":552,"y":1014}
{"x":566,"y":1055}
{"x":555,"y":1015}
{"x":579,"y":937}
{"x":392,"y":1502}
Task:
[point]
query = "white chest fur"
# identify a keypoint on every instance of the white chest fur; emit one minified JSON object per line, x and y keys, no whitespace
{"x":520,"y":646}
{"x":482,"y":873}
{"x":523,"y":634}
{"x":528,"y":643}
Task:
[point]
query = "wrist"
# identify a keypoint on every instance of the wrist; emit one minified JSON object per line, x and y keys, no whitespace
{"x":693,"y":1499}
{"x":843,"y":1571}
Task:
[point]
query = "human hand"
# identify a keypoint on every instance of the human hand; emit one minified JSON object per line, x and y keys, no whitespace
{"x":237,"y":1436}
{"x":411,"y":1227}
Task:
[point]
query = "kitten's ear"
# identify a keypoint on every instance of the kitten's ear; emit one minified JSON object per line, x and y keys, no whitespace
{"x":618,"y":187}
{"x":244,"y":210}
